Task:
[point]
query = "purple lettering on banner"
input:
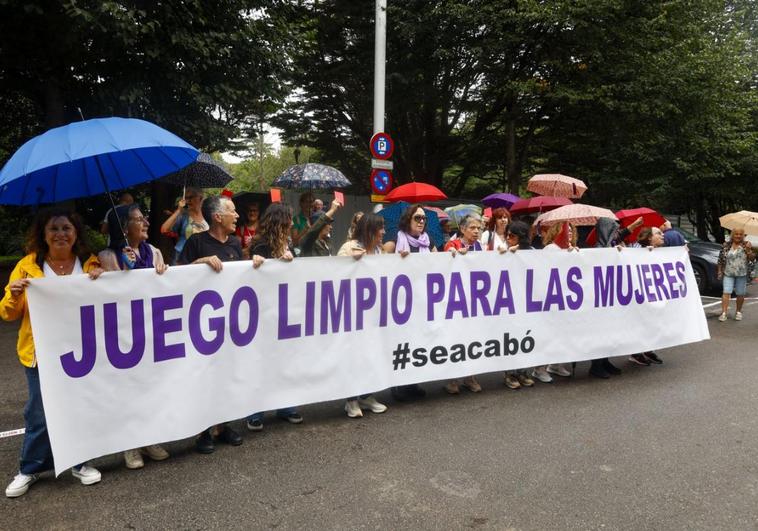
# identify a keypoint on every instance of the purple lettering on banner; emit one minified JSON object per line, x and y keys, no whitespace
{"x":286,"y":330}
{"x":310,"y":307}
{"x":639,"y":293}
{"x":648,"y":283}
{"x":659,"y":281}
{"x":603,"y":285}
{"x":572,"y":282}
{"x":240,"y":337}
{"x":78,"y":368}
{"x":335,"y":309}
{"x":456,"y":301}
{"x":554,"y":295}
{"x":668,"y":269}
{"x":480,"y":288}
{"x":531,"y":304}
{"x":435,"y":292}
{"x":680,"y":272}
{"x":365,"y":295}
{"x":382,"y":301}
{"x":163,"y":326}
{"x":215,"y":324}
{"x":130,"y":358}
{"x":624,"y":297}
{"x":398,"y":316}
{"x":504,"y":297}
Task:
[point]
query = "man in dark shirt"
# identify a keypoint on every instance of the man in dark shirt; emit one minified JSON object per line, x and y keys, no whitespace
{"x":214,"y":247}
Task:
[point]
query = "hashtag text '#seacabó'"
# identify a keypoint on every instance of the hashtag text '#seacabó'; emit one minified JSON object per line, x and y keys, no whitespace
{"x":438,"y":355}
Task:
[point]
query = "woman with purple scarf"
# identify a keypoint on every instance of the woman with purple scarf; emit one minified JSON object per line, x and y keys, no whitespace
{"x":137,"y":254}
{"x":411,"y":238}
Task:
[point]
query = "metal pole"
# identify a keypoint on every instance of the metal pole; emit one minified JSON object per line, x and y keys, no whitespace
{"x":380,"y":53}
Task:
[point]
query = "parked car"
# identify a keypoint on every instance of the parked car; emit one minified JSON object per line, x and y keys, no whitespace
{"x":704,"y":257}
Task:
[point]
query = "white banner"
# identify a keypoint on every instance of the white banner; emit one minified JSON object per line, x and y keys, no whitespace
{"x":134,"y":358}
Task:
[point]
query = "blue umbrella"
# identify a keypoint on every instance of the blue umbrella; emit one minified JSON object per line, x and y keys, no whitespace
{"x":91,"y":157}
{"x":311,"y":176}
{"x":392,"y":213}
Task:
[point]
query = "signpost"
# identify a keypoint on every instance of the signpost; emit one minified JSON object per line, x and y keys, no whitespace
{"x":381,"y":181}
{"x":382,"y":146}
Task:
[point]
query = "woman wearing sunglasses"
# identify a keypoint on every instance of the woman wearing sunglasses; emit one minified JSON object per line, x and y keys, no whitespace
{"x":411,"y":238}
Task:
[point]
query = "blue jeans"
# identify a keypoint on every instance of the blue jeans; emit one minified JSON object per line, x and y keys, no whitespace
{"x":36,"y":454}
{"x":284,"y":412}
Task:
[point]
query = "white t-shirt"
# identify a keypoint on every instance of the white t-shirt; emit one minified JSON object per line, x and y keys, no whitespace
{"x":49,"y":272}
{"x":497,"y":242}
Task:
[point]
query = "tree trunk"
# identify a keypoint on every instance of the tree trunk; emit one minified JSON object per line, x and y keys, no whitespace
{"x":512,"y":170}
{"x":55,"y":112}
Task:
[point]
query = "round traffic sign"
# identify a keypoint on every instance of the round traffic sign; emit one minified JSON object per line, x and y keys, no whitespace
{"x":381,"y":181}
{"x":382,"y":146}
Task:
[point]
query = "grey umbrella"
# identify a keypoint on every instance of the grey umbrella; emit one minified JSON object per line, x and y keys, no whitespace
{"x":311,"y":176}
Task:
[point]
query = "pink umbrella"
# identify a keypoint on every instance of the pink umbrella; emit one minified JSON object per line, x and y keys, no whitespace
{"x":577,"y":214}
{"x":441,"y":214}
{"x":556,"y":184}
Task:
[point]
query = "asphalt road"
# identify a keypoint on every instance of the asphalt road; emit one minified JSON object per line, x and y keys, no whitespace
{"x":664,"y":447}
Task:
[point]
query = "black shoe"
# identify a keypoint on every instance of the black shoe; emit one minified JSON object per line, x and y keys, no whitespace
{"x":653,"y":358}
{"x":229,"y":436}
{"x":610,"y":368}
{"x":204,"y":443}
{"x":406,"y":393}
{"x":639,"y":359}
{"x":597,"y":369}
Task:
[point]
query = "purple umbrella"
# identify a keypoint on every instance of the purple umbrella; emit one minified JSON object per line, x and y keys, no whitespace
{"x":500,"y":200}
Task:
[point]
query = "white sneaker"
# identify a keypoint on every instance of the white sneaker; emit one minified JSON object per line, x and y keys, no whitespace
{"x":20,"y":485}
{"x":353,"y":409}
{"x":542,"y":375}
{"x":722,"y":317}
{"x":560,"y":370}
{"x":738,"y":316}
{"x":373,"y":404}
{"x":87,"y":475}
{"x":133,"y":459}
{"x":155,"y":452}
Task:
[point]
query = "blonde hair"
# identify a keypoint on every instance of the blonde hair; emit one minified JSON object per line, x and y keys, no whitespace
{"x":555,"y":229}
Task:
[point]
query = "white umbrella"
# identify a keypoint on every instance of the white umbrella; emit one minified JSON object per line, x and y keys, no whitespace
{"x":744,"y":219}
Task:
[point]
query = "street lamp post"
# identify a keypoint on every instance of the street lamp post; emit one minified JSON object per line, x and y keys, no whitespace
{"x":380,"y":52}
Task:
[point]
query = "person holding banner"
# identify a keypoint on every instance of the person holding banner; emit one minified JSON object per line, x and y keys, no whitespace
{"x":272,"y":241}
{"x":246,"y":231}
{"x":57,"y":247}
{"x":494,"y":238}
{"x":368,"y":236}
{"x":558,"y":237}
{"x":518,"y":238}
{"x":650,"y":238}
{"x":471,"y":228}
{"x":137,"y":254}
{"x":411,"y":238}
{"x":214,"y":247}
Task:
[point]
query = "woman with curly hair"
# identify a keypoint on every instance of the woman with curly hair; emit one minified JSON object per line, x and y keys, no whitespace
{"x":272,"y":241}
{"x":56,"y":246}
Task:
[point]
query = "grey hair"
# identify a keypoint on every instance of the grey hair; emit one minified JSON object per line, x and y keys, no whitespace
{"x":212,"y":205}
{"x":465,"y":222}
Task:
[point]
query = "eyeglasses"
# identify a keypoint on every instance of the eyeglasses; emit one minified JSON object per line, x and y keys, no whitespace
{"x":419,"y":219}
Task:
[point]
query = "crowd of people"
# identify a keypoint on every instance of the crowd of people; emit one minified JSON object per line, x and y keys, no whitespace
{"x":208,"y":231}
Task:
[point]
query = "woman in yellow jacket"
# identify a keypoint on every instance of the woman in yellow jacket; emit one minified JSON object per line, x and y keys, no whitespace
{"x":56,"y":246}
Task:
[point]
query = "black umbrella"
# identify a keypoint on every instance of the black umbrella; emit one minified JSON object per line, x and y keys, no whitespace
{"x":203,"y":173}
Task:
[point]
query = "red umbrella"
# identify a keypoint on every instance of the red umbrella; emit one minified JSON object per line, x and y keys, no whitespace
{"x":415,"y":193}
{"x":650,"y":218}
{"x":538,"y":204}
